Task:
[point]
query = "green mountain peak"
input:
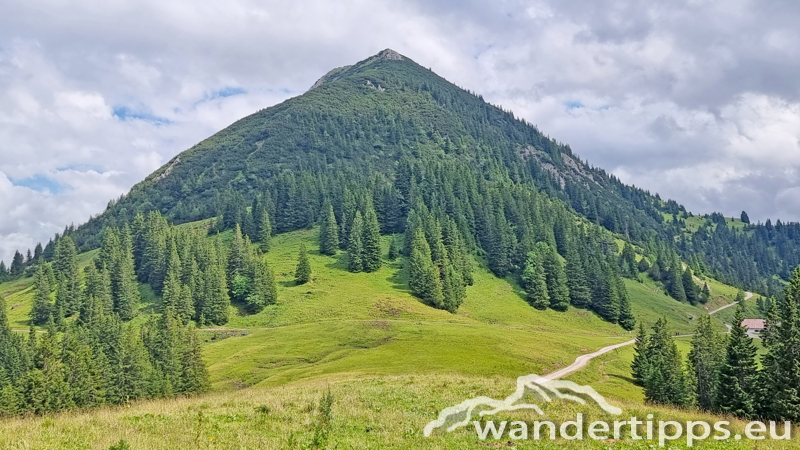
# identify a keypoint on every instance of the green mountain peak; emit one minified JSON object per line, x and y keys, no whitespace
{"x":339,"y":72}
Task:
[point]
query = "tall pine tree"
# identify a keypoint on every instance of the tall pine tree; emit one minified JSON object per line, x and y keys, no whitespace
{"x":738,"y":375}
{"x":705,"y":360}
{"x":534,"y":282}
{"x":371,"y":242}
{"x":355,"y":248}
{"x":423,"y":277}
{"x":264,"y":231}
{"x":329,"y":233}
{"x":780,"y":393}
{"x":302,"y":274}
{"x":42,"y":307}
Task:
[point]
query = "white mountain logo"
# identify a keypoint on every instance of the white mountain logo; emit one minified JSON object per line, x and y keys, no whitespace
{"x":528,"y":386}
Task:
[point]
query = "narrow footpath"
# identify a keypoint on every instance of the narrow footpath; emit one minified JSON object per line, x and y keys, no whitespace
{"x":583,"y":360}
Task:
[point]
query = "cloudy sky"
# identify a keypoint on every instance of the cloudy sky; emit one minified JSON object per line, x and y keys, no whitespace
{"x":697,"y":100}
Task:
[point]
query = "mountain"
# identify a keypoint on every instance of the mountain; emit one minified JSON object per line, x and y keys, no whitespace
{"x":385,"y":120}
{"x":363,"y":122}
{"x":365,"y":118}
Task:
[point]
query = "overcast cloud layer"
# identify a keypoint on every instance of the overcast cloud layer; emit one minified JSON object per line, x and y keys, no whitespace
{"x":697,"y":100}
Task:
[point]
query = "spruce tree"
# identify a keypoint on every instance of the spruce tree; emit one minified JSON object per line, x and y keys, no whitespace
{"x":705,"y":294}
{"x":579,"y":293}
{"x":329,"y":233}
{"x":349,"y":208}
{"x":17,"y":264}
{"x":185,"y":305}
{"x":453,"y":288}
{"x":265,"y":291}
{"x":65,"y":266}
{"x":666,"y":382}
{"x":556,"y":279}
{"x":137,"y":376}
{"x":264,"y":231}
{"x":302,"y":274}
{"x":98,"y":291}
{"x":705,"y":360}
{"x":154,"y":255}
{"x":738,"y":374}
{"x":627,"y":261}
{"x":45,"y":386}
{"x":675,"y":283}
{"x":42,"y":308}
{"x":10,"y":402}
{"x":534,"y":282}
{"x":172,"y":290}
{"x":640,"y":367}
{"x":607,"y":299}
{"x":413,"y":222}
{"x":457,"y":251}
{"x":216,"y":299}
{"x":655,"y":271}
{"x":689,"y":288}
{"x":125,"y":291}
{"x":193,"y":373}
{"x":423,"y":277}
{"x":110,"y":248}
{"x":85,"y":382}
{"x":355,"y":249}
{"x":371,"y":242}
{"x":162,"y":337}
{"x":781,"y":365}
{"x":249,"y":225}
{"x":501,"y":240}
{"x":236,"y":254}
{"x":626,"y":318}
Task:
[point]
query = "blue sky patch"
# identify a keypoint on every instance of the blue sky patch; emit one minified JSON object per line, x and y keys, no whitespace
{"x":128,"y":113}
{"x":228,"y":91}
{"x":573,"y":104}
{"x":40,"y":183}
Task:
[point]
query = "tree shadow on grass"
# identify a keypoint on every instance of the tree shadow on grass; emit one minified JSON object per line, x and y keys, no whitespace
{"x":399,"y":277}
{"x":337,"y":261}
{"x":623,"y":378}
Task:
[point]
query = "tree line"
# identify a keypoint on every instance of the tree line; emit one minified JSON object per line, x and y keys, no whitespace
{"x":95,"y":358}
{"x":90,"y":354}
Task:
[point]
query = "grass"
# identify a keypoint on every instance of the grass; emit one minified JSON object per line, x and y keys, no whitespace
{"x":386,"y":412}
{"x":368,"y":324}
{"x":694,"y":223}
{"x":649,"y":303}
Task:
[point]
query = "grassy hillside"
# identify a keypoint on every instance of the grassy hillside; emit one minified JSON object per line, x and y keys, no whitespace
{"x":346,"y":323}
{"x":649,"y":303}
{"x":361,"y":323}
